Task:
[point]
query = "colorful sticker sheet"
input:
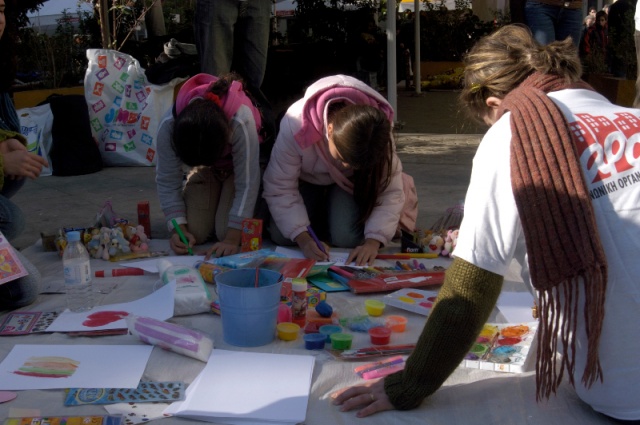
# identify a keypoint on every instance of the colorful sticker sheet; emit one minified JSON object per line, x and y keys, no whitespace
{"x":146,"y":392}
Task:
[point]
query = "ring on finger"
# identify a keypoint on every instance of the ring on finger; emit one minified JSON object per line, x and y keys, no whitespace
{"x":372,"y":397}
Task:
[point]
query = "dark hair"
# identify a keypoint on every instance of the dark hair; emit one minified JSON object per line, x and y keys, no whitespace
{"x":601,"y":14}
{"x":362,"y":136}
{"x":8,"y":57}
{"x":201,"y":131}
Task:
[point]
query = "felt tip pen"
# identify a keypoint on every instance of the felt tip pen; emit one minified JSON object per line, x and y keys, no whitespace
{"x":335,"y":276}
{"x":127,"y":271}
{"x":393,"y":257}
{"x":342,"y":272}
{"x":317,"y":241}
{"x":377,"y":365}
{"x":183,"y":238}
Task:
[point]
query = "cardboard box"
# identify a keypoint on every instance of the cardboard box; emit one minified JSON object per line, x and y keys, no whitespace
{"x":251,"y":234}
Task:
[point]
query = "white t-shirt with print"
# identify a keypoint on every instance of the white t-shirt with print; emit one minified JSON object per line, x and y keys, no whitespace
{"x":491,"y":235}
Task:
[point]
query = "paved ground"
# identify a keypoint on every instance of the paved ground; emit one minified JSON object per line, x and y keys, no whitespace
{"x":435,"y":144}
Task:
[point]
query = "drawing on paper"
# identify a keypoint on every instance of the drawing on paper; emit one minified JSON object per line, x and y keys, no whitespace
{"x":48,"y":367}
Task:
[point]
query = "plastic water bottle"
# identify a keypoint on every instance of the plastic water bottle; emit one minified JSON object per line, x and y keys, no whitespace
{"x":77,"y":274}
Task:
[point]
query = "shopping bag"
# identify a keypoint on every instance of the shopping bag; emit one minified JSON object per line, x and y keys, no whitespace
{"x":125,"y":109}
{"x":35,"y":125}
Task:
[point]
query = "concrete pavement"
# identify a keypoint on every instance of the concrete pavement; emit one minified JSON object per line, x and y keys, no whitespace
{"x":435,"y":143}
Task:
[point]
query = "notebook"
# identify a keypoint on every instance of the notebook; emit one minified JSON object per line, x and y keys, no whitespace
{"x":249,"y":388}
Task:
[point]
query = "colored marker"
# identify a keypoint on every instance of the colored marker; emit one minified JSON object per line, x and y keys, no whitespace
{"x":393,"y":257}
{"x":183,"y":238}
{"x":378,"y":365}
{"x":127,"y":271}
{"x":342,"y":272}
{"x":317,"y":241}
{"x":335,"y":276}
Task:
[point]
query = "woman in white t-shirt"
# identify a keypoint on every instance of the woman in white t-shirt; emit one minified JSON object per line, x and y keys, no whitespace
{"x":555,"y":186}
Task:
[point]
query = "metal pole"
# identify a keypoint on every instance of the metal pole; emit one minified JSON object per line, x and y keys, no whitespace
{"x":392,"y":85}
{"x":417,"y":78}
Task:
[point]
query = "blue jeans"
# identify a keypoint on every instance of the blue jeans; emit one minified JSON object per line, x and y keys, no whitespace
{"x":333,"y":214}
{"x":553,"y":23}
{"x":11,"y":218}
{"x":233,"y":35}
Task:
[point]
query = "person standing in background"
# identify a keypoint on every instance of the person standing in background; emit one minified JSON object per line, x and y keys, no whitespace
{"x":233,"y":35}
{"x":554,"y":20}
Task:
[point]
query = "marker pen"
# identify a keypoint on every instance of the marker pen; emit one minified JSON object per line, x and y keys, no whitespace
{"x":127,"y":271}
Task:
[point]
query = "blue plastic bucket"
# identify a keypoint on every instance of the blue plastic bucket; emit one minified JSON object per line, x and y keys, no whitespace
{"x":249,"y":313}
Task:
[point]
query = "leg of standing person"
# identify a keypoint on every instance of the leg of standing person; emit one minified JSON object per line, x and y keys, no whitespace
{"x":636,"y":102}
{"x":214,"y":27}
{"x":569,"y":25}
{"x":541,"y":20}
{"x":343,"y":217}
{"x":252,"y":41}
{"x":201,"y":197}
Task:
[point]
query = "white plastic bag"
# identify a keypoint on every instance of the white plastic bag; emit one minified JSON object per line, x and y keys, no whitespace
{"x":35,"y":125}
{"x":124,"y":108}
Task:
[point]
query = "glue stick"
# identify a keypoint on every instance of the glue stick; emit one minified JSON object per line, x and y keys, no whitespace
{"x":299,"y":301}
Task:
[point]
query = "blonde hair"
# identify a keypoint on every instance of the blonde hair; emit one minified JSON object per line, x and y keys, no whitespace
{"x":499,"y":62}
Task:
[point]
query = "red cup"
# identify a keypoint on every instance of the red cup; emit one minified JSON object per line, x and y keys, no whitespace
{"x":380,"y":335}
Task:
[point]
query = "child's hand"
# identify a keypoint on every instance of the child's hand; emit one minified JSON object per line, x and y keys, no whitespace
{"x":220,"y":249}
{"x":310,"y":248}
{"x":365,"y":253}
{"x":178,"y":246}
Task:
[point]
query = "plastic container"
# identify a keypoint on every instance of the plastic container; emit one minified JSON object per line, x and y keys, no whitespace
{"x":288,"y":331}
{"x":314,"y":341}
{"x":77,"y":274}
{"x":249,"y":313}
{"x":380,"y":335}
{"x":396,"y":323}
{"x":340,"y":341}
{"x":374,"y":307}
{"x":192,"y":295}
{"x":299,"y":301}
{"x":328,"y":330}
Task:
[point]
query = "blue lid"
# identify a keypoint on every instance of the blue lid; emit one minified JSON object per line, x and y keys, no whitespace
{"x":73,"y":236}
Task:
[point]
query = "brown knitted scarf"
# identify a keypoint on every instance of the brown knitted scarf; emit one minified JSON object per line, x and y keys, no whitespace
{"x":564,"y":250}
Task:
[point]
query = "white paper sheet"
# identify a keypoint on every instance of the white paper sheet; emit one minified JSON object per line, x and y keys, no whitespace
{"x":249,"y":388}
{"x":157,"y":305}
{"x":516,"y":306}
{"x":96,"y":366}
{"x":336,"y":255}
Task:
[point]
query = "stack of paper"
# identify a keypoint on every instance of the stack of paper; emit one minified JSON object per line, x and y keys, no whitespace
{"x":249,"y":388}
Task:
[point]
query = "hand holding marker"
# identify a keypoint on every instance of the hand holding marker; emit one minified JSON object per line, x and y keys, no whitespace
{"x":183,"y":238}
{"x":317,"y":241}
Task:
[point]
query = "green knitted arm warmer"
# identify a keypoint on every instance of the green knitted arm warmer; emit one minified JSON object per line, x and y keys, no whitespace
{"x":463,"y":306}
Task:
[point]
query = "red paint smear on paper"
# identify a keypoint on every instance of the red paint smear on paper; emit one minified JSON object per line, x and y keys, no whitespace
{"x":102,"y":318}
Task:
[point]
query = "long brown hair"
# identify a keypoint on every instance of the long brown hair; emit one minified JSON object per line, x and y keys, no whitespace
{"x":362,"y":135}
{"x":499,"y":62}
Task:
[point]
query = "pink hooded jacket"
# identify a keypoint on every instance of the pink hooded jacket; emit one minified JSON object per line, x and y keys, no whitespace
{"x":301,"y":152}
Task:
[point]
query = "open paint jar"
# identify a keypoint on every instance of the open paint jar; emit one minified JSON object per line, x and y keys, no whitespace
{"x":288,"y":331}
{"x":314,"y":341}
{"x":328,"y":330}
{"x":374,"y":307}
{"x":396,"y":323}
{"x":340,"y":341}
{"x":380,"y":335}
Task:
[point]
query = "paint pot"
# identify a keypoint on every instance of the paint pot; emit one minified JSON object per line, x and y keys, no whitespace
{"x":288,"y":331}
{"x":328,"y":330}
{"x":380,"y":335}
{"x":340,"y":341}
{"x":396,"y":323}
{"x":249,"y":312}
{"x":314,"y":341}
{"x":374,"y":307}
